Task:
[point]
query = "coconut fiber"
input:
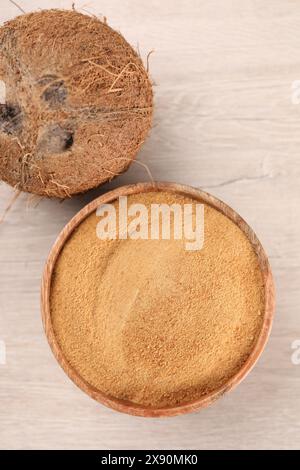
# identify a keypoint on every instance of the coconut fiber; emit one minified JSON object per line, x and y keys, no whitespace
{"x":78,"y":103}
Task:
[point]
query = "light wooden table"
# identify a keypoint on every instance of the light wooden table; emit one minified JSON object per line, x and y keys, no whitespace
{"x":225,"y":121}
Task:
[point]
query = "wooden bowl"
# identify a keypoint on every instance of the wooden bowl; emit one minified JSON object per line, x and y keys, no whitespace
{"x":128,"y":407}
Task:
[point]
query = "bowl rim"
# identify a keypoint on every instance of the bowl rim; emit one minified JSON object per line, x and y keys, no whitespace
{"x":129,"y":407}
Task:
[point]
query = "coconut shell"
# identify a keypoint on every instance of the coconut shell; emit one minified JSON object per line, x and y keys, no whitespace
{"x":78,"y":103}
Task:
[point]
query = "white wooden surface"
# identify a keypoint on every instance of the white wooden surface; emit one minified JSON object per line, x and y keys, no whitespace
{"x":224,"y":121}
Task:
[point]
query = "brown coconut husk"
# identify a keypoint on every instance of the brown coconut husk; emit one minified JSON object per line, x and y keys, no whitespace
{"x":78,"y":103}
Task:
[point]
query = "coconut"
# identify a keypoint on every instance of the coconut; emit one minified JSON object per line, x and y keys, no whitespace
{"x":78,"y":103}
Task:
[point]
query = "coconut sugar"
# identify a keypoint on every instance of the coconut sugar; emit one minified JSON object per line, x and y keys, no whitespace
{"x":150,"y":322}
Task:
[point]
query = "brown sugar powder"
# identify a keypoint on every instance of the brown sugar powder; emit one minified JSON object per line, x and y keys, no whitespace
{"x":150,"y":322}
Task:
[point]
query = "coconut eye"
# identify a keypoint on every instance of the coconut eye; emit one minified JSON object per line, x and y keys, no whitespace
{"x":55,"y":139}
{"x":55,"y":91}
{"x":55,"y":94}
{"x":10,"y":118}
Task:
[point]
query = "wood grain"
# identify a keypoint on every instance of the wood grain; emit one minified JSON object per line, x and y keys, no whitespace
{"x":225,"y":122}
